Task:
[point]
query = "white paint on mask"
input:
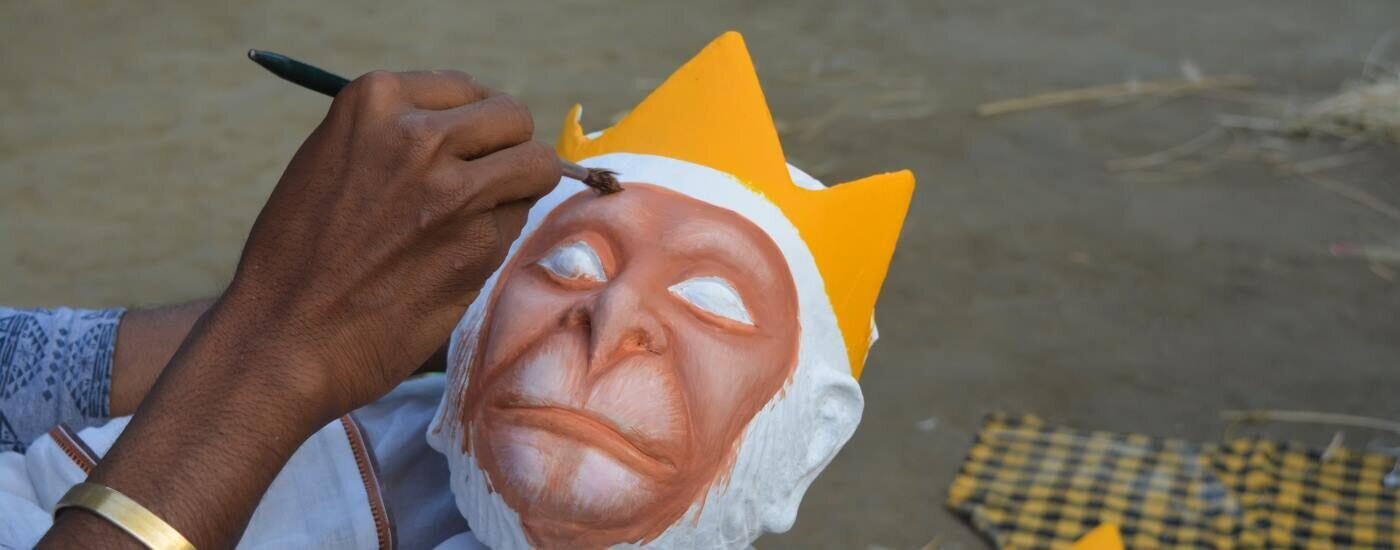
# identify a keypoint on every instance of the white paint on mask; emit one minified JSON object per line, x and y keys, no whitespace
{"x":601,"y":485}
{"x":783,"y":448}
{"x":715,"y":296}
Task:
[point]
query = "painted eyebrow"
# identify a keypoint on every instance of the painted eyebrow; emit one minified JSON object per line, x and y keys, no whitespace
{"x":712,"y":236}
{"x":575,"y":223}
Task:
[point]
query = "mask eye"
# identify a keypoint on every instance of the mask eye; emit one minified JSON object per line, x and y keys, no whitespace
{"x":713,"y":295}
{"x":574,"y":261}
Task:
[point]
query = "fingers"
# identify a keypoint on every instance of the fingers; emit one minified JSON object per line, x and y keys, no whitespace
{"x":388,"y":92}
{"x":447,"y":111}
{"x":375,"y":93}
{"x":439,"y":90}
{"x":510,"y":219}
{"x":524,"y":172}
{"x":478,"y":129}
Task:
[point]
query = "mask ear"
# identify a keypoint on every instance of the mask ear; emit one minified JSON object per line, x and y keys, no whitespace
{"x":833,"y":418}
{"x":838,"y":412}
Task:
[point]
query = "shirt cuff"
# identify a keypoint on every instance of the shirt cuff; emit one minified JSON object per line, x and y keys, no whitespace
{"x":55,"y":367}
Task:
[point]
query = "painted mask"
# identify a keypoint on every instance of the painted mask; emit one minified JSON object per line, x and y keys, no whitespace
{"x":672,"y":365}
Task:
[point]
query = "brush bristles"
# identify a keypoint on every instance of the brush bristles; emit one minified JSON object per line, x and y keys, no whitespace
{"x":603,"y":181}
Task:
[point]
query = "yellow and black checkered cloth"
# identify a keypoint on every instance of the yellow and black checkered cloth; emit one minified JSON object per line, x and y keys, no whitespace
{"x":1028,"y":485}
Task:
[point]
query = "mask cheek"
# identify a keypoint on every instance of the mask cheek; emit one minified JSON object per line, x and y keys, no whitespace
{"x":525,"y":311}
{"x":721,"y":390}
{"x":549,"y":371}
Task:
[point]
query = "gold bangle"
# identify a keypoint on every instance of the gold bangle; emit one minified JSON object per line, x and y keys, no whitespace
{"x":125,"y":513}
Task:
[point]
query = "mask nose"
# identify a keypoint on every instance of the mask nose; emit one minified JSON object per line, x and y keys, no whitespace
{"x":620,"y":323}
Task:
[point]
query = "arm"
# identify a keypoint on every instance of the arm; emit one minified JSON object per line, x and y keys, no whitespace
{"x":146,"y":340}
{"x":96,"y":363}
{"x":387,"y":221}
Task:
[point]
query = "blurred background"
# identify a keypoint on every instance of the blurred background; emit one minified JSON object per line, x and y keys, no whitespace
{"x":1139,"y":264}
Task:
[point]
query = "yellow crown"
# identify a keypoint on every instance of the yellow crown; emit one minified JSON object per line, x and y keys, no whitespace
{"x":711,"y":112}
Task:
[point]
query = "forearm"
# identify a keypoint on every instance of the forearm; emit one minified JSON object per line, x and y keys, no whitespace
{"x":146,"y":340}
{"x":218,"y":425}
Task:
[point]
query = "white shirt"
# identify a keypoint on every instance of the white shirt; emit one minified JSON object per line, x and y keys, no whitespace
{"x":368,"y":480}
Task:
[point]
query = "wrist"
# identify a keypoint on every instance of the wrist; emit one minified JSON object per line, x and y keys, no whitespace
{"x":244,"y":361}
{"x":219,"y":424}
{"x":258,"y":393}
{"x":277,"y":381}
{"x":78,"y":528}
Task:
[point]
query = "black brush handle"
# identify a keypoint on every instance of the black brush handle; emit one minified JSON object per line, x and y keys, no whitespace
{"x":315,"y":79}
{"x":296,"y":72}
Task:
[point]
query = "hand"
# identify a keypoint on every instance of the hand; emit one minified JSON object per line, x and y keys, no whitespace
{"x":388,"y":219}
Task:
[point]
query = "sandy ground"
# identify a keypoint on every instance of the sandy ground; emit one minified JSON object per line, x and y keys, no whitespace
{"x":137,"y":146}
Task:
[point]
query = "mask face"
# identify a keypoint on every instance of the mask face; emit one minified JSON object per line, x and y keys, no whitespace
{"x":630,"y":340}
{"x":673,"y":365}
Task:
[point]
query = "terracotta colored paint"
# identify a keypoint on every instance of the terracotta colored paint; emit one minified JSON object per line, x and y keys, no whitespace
{"x":631,"y":340}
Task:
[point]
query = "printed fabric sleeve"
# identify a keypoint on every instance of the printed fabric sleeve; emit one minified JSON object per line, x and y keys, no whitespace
{"x":55,"y":367}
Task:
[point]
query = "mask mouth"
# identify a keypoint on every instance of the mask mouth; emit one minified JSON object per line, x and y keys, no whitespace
{"x":633,"y":450}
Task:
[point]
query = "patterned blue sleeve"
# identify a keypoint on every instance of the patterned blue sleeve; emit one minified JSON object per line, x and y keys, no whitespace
{"x":55,"y":366}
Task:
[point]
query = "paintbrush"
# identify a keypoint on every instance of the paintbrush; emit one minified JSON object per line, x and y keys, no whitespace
{"x":319,"y":80}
